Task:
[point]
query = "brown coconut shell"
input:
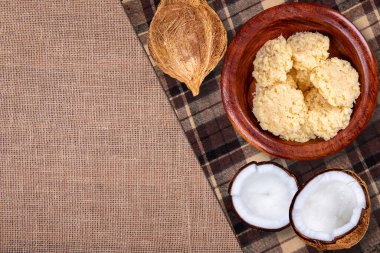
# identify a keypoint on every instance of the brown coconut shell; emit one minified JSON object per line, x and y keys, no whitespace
{"x":258,"y":164}
{"x":187,"y":40}
{"x":348,"y":239}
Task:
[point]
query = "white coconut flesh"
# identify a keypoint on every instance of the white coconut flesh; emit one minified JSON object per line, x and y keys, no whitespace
{"x":329,"y":206}
{"x":262,"y":194}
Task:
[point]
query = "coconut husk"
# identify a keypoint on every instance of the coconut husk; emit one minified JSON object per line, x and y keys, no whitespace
{"x":350,"y":238}
{"x":186,"y":40}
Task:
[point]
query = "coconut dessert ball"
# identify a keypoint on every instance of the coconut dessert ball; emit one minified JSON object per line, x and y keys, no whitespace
{"x":324,"y":119}
{"x":280,"y":109}
{"x":302,"y":79}
{"x":309,"y":49}
{"x":300,"y":94}
{"x":293,"y":73}
{"x":303,"y":135}
{"x":290,"y":81}
{"x":272,"y":62}
{"x":337,"y":81}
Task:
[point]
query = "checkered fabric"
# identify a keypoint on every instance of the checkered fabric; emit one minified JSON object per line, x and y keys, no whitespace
{"x":221,"y":151}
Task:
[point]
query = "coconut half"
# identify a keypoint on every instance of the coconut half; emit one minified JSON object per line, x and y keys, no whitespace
{"x":261,"y":195}
{"x":332,"y":210}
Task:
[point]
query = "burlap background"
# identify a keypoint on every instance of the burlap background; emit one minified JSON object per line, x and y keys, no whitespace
{"x":92,"y":157}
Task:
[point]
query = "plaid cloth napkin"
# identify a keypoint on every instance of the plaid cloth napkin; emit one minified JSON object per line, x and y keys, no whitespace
{"x":221,"y":151}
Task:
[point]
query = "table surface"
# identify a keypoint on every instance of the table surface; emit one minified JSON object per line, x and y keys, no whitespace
{"x":93,"y":157}
{"x":221,"y":151}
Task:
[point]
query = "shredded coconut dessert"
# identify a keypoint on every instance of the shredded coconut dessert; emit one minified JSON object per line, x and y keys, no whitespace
{"x":273,"y":61}
{"x":300,"y":94}
{"x":280,"y":116}
{"x":291,"y":81}
{"x":305,"y":133}
{"x":308,"y":49}
{"x":324,"y":119}
{"x":337,"y":81}
{"x":303,"y":79}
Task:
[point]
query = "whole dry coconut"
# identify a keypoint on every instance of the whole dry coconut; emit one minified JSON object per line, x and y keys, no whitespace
{"x":332,"y":210}
{"x":187,"y":40}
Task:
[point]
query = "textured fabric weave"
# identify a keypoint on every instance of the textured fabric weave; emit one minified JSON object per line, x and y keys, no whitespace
{"x":92,"y":157}
{"x":221,"y":151}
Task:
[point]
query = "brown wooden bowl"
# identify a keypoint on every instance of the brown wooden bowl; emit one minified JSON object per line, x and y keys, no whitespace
{"x":237,"y":85}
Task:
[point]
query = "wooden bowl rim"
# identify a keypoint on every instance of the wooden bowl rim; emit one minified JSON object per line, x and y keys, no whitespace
{"x":295,"y":150}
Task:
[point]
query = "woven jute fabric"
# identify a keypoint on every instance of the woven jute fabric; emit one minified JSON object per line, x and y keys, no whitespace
{"x":92,"y":157}
{"x":221,"y":151}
